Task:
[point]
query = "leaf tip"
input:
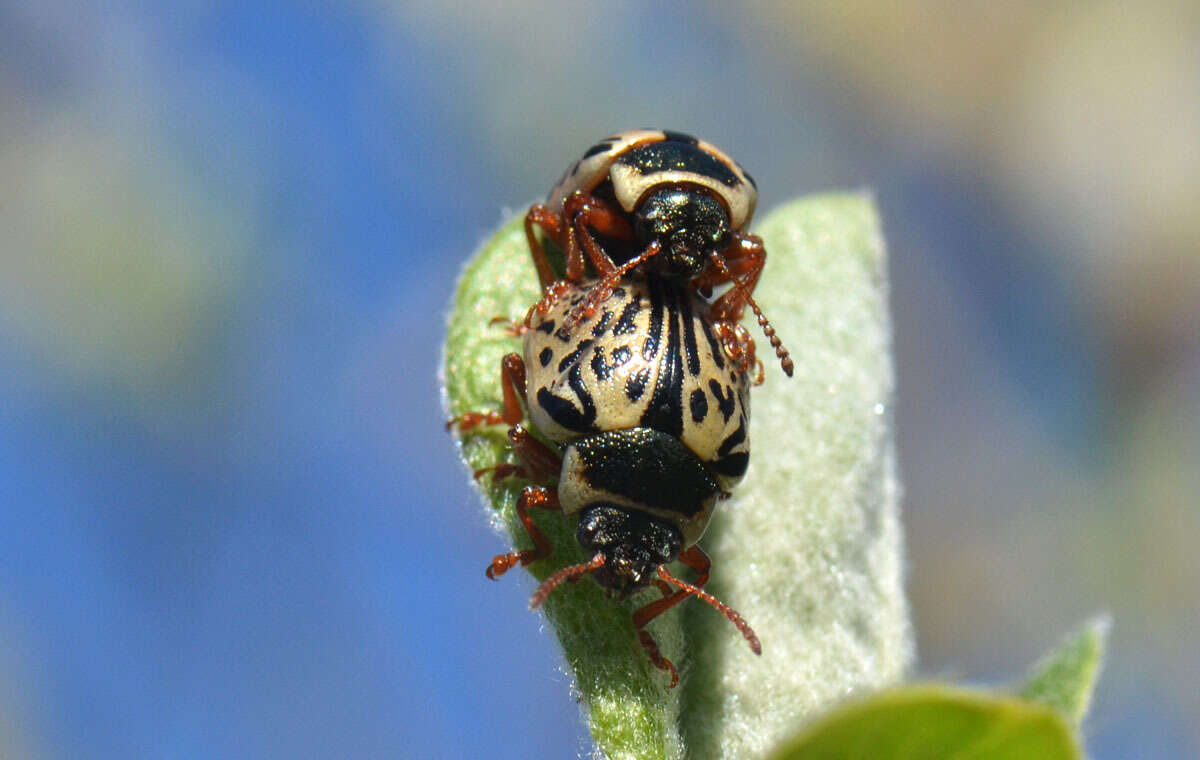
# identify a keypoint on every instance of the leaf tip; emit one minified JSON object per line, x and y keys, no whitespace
{"x":1066,"y":677}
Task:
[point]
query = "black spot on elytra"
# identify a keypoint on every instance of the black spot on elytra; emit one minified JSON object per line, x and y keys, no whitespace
{"x":600,"y":147}
{"x":621,"y":355}
{"x":545,"y":356}
{"x":635,"y":386}
{"x":601,"y":368}
{"x":602,"y":325}
{"x":699,"y":405}
{"x":724,"y":402}
{"x":547,"y":327}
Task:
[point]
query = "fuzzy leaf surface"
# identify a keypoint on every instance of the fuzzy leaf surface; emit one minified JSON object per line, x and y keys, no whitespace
{"x":808,"y":549}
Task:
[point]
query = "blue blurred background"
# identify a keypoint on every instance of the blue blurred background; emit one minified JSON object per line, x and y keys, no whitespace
{"x":231,"y":524}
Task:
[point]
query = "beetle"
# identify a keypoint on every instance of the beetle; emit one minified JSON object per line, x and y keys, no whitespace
{"x":662,"y":202}
{"x":639,"y":424}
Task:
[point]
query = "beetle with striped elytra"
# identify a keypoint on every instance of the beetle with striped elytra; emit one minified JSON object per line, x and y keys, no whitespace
{"x":638,"y":425}
{"x":659,"y":202}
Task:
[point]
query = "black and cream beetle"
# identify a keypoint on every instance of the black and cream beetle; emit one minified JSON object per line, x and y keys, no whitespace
{"x":641,"y":421}
{"x":660,"y":202}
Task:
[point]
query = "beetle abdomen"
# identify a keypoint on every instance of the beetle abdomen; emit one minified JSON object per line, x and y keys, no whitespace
{"x":646,"y":359}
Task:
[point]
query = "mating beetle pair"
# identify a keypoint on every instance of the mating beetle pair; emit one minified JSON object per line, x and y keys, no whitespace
{"x":634,"y":380}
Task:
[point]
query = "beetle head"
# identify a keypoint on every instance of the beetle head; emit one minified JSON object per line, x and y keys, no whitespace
{"x":688,"y":222}
{"x":633,"y":546}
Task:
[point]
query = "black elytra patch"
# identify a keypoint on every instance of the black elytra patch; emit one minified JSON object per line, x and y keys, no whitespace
{"x":545,"y":356}
{"x":647,"y":467}
{"x":680,"y":137}
{"x":670,"y":156}
{"x":547,"y":327}
{"x":732,"y":466}
{"x":699,"y":405}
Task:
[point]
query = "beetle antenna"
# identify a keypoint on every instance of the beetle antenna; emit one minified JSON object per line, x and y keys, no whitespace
{"x":724,"y":609}
{"x":602,"y":289}
{"x":785,"y":358}
{"x":566,"y":574}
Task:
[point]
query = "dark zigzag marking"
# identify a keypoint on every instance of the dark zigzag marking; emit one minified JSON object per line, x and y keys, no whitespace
{"x":735,"y":439}
{"x":573,"y":357}
{"x":729,"y":464}
{"x":724,"y":403}
{"x":563,"y":411}
{"x":601,"y":368}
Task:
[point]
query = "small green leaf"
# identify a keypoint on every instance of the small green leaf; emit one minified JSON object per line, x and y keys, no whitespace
{"x":1064,"y":678}
{"x":808,"y":548}
{"x":935,"y":722}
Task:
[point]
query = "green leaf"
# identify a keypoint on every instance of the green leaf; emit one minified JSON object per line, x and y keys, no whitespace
{"x":808,"y":549}
{"x":1064,"y":679}
{"x":934,"y":722}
